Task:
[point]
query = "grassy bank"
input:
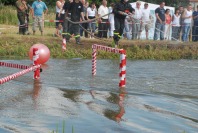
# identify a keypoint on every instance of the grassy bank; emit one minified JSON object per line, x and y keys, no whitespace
{"x":13,"y":45}
{"x":17,"y":46}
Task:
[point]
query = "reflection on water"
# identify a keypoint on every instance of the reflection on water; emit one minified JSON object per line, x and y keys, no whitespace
{"x":36,"y":90}
{"x":95,"y":105}
{"x":160,"y":96}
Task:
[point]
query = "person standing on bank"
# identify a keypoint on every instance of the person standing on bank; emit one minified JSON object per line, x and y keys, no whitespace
{"x":160,"y":22}
{"x":120,"y":10}
{"x":176,"y":25}
{"x":76,"y":10}
{"x":59,"y":6}
{"x":187,"y":16}
{"x":38,"y":8}
{"x":146,"y":20}
{"x":21,"y":13}
{"x":195,"y":29}
{"x":137,"y":19}
{"x":65,"y":21}
{"x":92,"y":14}
{"x":103,"y":26}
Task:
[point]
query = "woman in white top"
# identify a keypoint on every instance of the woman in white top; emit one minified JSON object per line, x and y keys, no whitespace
{"x":176,"y":25}
{"x":187,"y":16}
{"x":59,"y":6}
{"x":91,"y":14}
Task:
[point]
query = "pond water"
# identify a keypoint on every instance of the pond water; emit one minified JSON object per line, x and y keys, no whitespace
{"x":160,"y":97}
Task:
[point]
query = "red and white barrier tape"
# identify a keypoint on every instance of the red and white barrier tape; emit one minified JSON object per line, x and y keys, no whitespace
{"x":122,"y":53}
{"x":35,"y":68}
{"x":13,"y":65}
{"x":15,"y":75}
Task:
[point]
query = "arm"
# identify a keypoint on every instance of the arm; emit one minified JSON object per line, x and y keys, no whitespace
{"x":87,"y":14}
{"x":46,"y":11}
{"x":172,"y":18}
{"x":156,"y":14}
{"x":98,"y":14}
{"x":82,"y":16}
{"x":194,"y":17}
{"x":33,"y":10}
{"x":184,"y":15}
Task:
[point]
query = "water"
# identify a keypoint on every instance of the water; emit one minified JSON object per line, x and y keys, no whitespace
{"x":160,"y":97}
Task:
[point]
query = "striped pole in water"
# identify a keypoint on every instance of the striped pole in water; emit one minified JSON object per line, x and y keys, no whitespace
{"x":122,"y":53}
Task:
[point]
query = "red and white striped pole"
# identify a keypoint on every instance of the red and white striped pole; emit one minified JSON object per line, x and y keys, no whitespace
{"x":64,"y":44}
{"x":122,"y":68}
{"x":122,"y":53}
{"x":93,"y":60}
{"x":35,"y":63}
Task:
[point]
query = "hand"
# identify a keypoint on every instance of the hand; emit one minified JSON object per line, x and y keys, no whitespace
{"x":59,"y":15}
{"x":99,"y":21}
{"x":33,"y":17}
{"x":24,"y":2}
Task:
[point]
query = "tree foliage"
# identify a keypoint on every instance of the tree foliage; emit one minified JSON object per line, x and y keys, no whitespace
{"x":174,"y":3}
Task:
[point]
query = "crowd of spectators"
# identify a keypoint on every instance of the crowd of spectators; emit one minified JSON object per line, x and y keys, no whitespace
{"x":168,"y":25}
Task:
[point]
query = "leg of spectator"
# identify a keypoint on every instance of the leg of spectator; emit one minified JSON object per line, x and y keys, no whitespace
{"x":21,"y":17}
{"x":162,"y":29}
{"x":126,"y":27}
{"x":196,"y":33}
{"x":100,"y":30}
{"x":34,"y":25}
{"x":138,"y":30}
{"x":41,"y":24}
{"x":157,"y":31}
{"x":105,"y":28}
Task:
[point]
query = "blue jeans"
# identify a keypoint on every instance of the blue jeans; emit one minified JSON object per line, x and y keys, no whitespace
{"x":127,"y":31}
{"x":195,"y":33}
{"x":185,"y":32}
{"x":159,"y":31}
{"x":92,"y":26}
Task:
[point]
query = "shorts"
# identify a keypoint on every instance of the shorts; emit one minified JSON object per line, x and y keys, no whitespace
{"x":145,"y":26}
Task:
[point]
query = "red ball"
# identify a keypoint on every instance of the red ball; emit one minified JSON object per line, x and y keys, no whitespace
{"x":44,"y":53}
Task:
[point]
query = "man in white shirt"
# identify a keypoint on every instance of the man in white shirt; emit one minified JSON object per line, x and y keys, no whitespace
{"x":103,"y":27}
{"x":187,"y":17}
{"x":145,"y":25}
{"x":137,"y":18}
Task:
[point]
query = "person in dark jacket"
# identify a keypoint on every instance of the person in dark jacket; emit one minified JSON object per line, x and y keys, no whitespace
{"x":76,"y":10}
{"x":121,"y":10}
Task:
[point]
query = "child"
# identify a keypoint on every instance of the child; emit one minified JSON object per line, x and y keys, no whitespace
{"x":59,"y":31}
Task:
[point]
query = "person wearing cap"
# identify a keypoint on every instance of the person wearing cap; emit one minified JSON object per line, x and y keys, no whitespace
{"x":146,"y":17}
{"x":195,"y":29}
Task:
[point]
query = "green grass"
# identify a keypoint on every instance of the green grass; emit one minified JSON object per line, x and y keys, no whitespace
{"x":15,"y":46}
{"x":62,"y":129}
